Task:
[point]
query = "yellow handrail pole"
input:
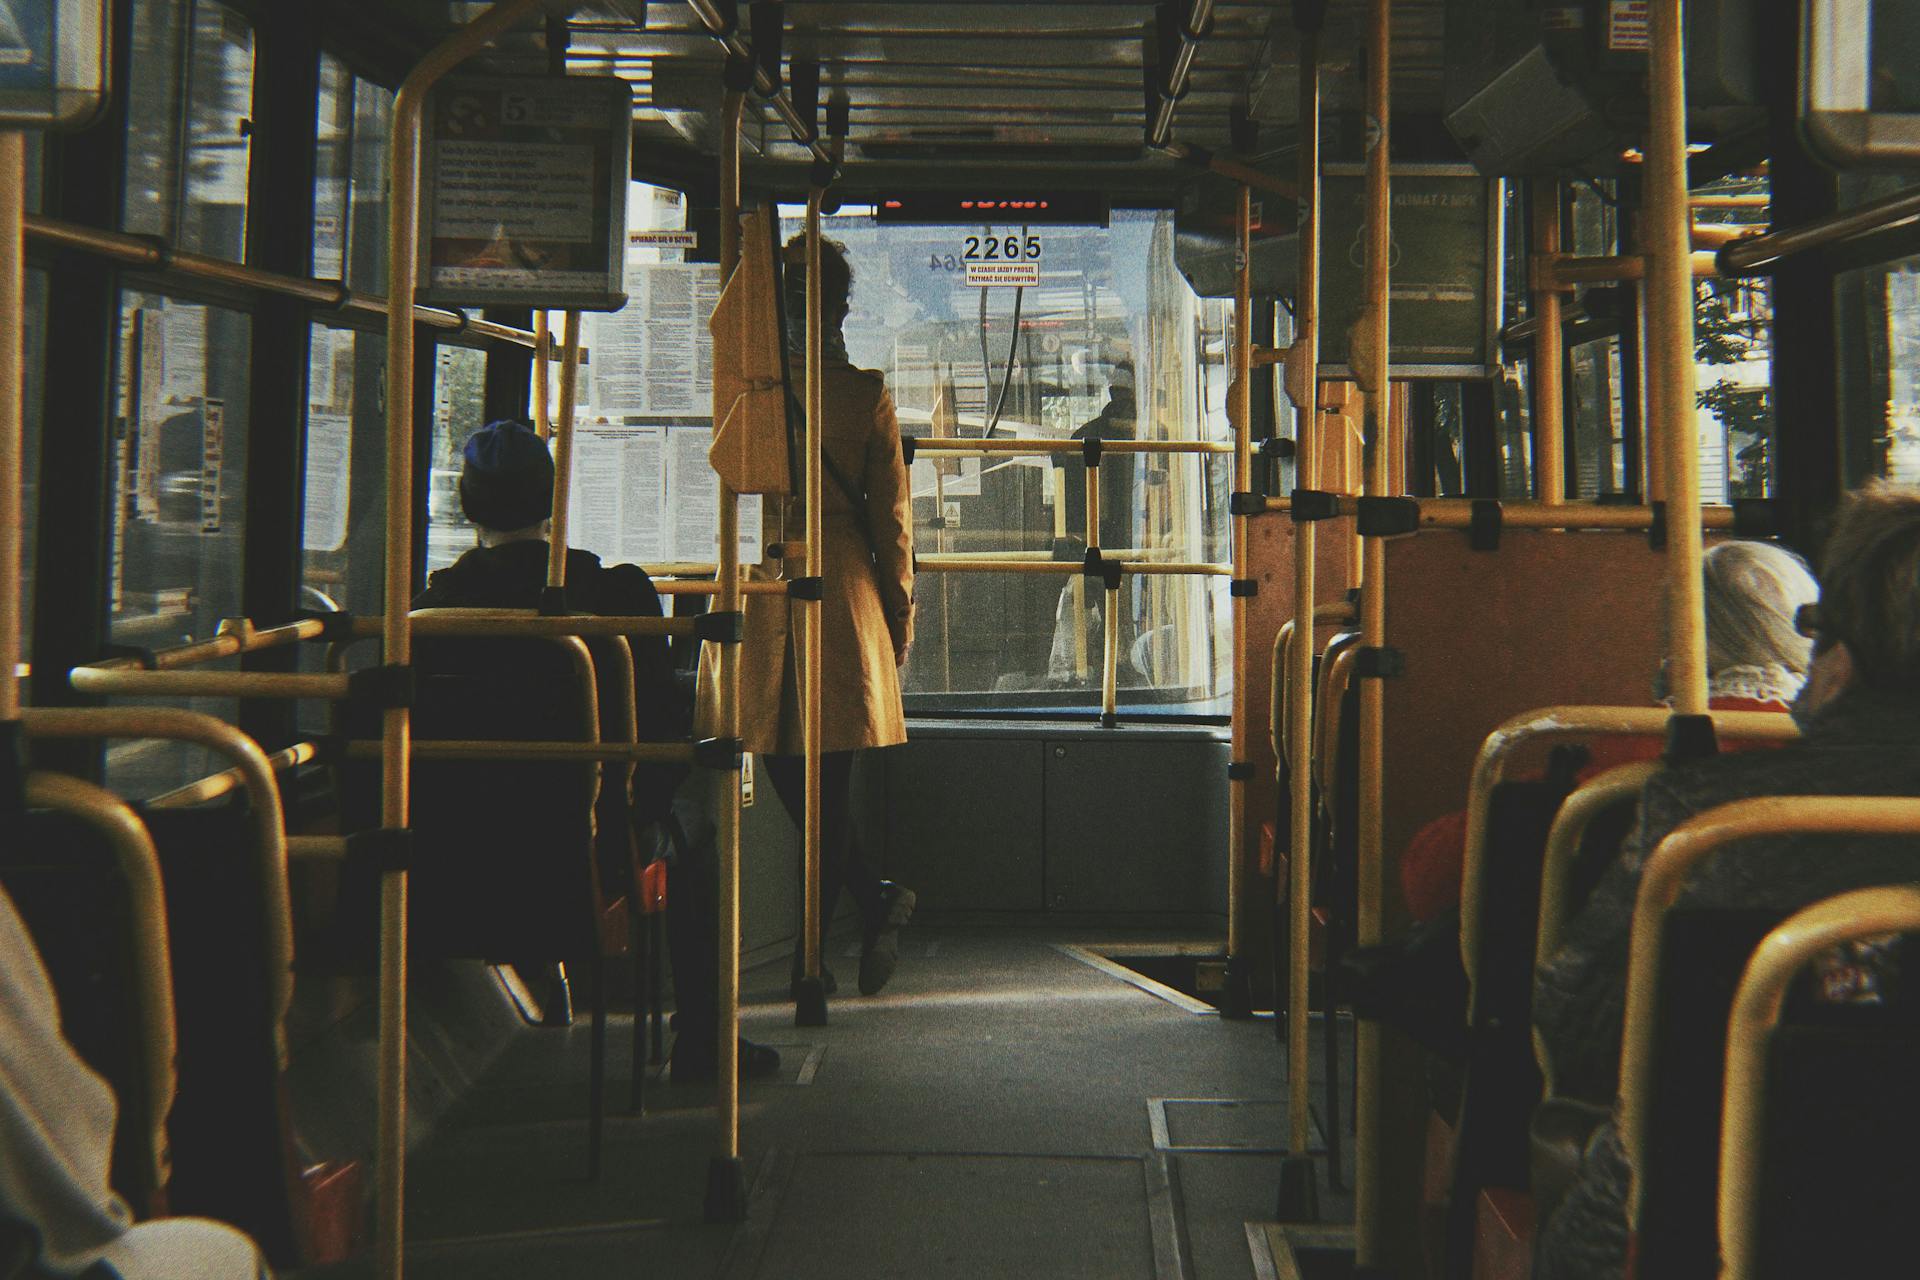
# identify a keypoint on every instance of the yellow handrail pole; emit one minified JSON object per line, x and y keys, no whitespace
{"x":541,"y":424}
{"x":139,"y":863}
{"x":13,"y":277}
{"x":1371,"y":1227}
{"x":562,"y":429}
{"x":403,"y":268}
{"x":1057,"y":481}
{"x":1670,"y":348}
{"x":946,"y":596}
{"x":215,"y":785}
{"x":810,"y":611}
{"x":726,"y":1180}
{"x":1549,"y":347}
{"x":1782,"y":955}
{"x":1110,"y":655}
{"x":1303,"y":382}
{"x":1661,"y":883}
{"x":1240,"y":766}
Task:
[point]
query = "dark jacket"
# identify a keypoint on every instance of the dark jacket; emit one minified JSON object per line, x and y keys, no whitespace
{"x":513,"y":576}
{"x":1862,"y":743}
{"x":1117,"y":471}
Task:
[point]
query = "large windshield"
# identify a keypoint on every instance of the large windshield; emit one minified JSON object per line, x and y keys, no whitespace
{"x":1110,"y":342}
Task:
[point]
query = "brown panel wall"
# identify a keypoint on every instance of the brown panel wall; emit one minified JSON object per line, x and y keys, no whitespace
{"x":1551,"y":617}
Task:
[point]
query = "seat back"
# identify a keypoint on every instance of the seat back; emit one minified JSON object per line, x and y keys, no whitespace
{"x":503,"y":856}
{"x":64,"y":879}
{"x":1838,"y":1174}
{"x":231,"y":1132}
{"x":1703,"y":953}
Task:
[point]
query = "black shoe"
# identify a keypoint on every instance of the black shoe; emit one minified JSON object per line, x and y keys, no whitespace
{"x":827,"y":982}
{"x":692,"y":1060}
{"x":882,"y":950}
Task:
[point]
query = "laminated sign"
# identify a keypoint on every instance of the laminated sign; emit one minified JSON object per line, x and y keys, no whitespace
{"x":525,"y":193}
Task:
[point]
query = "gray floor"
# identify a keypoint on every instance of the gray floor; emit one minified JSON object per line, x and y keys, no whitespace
{"x":989,"y":1115}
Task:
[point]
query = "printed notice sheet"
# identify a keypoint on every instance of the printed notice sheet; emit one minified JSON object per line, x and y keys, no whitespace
{"x":645,"y":494}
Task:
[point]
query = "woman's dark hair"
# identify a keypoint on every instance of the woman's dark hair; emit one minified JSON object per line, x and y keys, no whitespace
{"x":836,"y":279}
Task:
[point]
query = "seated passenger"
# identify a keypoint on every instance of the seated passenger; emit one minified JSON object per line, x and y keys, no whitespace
{"x":1859,"y":713}
{"x":506,"y":491}
{"x":1756,"y":661}
{"x":56,"y":1148}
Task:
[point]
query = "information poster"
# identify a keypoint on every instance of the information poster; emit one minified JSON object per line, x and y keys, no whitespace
{"x":654,"y":358}
{"x":329,"y":459}
{"x":525,"y":193}
{"x":1444,"y":299}
{"x":645,"y":494}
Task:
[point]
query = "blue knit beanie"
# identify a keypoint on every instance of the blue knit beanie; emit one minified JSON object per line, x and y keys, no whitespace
{"x":506,"y":481}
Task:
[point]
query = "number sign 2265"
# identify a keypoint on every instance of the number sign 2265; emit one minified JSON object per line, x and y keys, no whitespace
{"x":989,"y":249}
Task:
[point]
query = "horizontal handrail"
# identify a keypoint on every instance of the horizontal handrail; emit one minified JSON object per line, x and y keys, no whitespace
{"x":143,"y":251}
{"x":215,"y":785}
{"x":963,"y":445}
{"x":1757,"y":255}
{"x":473,"y":624}
{"x":510,"y":749}
{"x":209,"y":684}
{"x":234,"y":636}
{"x":962,"y":562}
{"x":1457,"y":513}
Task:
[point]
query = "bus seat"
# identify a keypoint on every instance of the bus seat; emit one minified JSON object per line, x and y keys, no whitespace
{"x":1702,"y":955}
{"x":65,"y":883}
{"x":505,"y":866}
{"x":1839,"y":1177}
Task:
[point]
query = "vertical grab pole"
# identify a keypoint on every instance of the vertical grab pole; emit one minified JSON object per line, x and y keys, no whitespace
{"x":1549,"y":349}
{"x":13,"y":301}
{"x":396,"y":632}
{"x":810,"y":613}
{"x":1239,"y":996}
{"x":726,"y":1177}
{"x":1670,"y":355}
{"x":1303,"y":384}
{"x":562,"y":429}
{"x":541,"y":354}
{"x":1371,"y":368}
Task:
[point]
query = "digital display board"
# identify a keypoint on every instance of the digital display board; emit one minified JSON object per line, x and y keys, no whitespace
{"x":1008,"y":207}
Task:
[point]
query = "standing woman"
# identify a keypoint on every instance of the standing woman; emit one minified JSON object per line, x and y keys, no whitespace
{"x":866,"y":618}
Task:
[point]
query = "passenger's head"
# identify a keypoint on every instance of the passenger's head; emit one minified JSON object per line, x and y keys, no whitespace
{"x":1868,"y":628}
{"x":836,"y":281}
{"x":506,"y":480}
{"x":1753,"y":591}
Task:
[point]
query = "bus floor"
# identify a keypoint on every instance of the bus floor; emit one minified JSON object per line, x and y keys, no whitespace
{"x":1010,"y":1106}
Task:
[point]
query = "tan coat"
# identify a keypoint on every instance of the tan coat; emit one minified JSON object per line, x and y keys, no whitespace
{"x":868,"y":606}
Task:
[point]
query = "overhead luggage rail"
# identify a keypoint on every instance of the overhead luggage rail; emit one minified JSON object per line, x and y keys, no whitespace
{"x":1757,"y":1005}
{"x":142,"y":251}
{"x":139,"y":864}
{"x":1761,"y":254}
{"x":728,"y":34}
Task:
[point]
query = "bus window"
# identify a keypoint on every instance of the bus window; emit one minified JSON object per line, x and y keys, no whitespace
{"x":191,"y":91}
{"x":1111,"y":335}
{"x":179,"y":514}
{"x":1879,"y":340}
{"x":459,"y":410}
{"x":343,"y":535}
